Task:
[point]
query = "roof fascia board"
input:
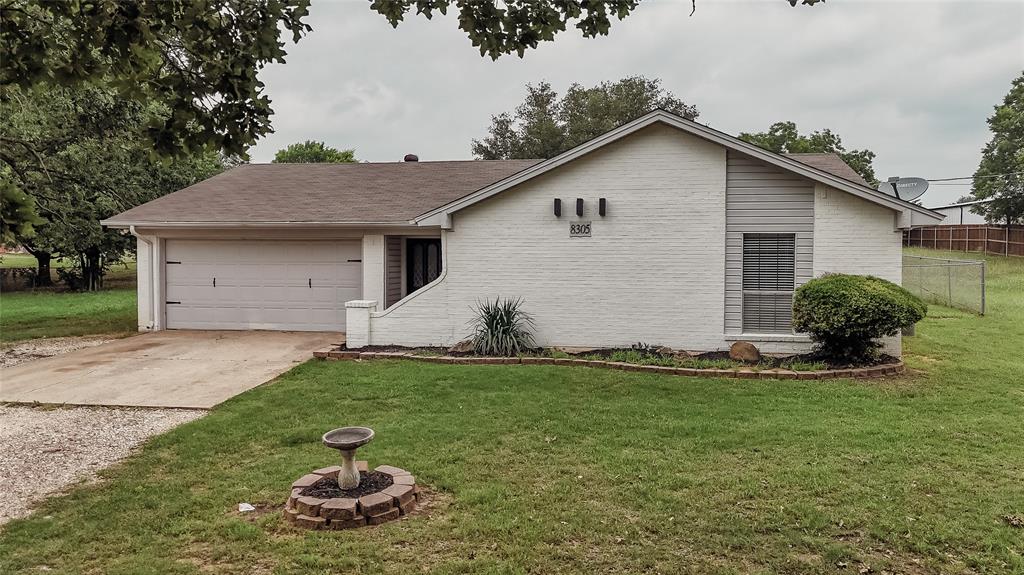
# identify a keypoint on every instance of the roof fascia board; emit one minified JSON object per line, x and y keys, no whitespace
{"x":542,"y":167}
{"x":152,"y":225}
{"x":698,"y":130}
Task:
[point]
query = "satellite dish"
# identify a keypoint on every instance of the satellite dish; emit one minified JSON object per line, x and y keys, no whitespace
{"x":907,"y":189}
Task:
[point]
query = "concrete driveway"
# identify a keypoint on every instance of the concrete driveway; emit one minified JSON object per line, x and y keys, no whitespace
{"x":196,"y":369}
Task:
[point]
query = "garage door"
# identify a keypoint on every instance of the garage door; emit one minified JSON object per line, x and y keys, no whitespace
{"x":282,"y":285}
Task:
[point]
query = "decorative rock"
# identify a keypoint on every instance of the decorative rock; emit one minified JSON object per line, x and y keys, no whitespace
{"x":402,"y":493}
{"x":744,"y":351}
{"x":393,"y":513}
{"x":296,"y":493}
{"x":339,"y":524}
{"x":362,"y":466}
{"x":339,"y":508}
{"x":290,"y":515}
{"x":464,"y":346}
{"x":306,"y":480}
{"x":391,"y":470}
{"x":375,"y":504}
{"x":310,"y":522}
{"x":331,"y":471}
{"x":309,"y":505}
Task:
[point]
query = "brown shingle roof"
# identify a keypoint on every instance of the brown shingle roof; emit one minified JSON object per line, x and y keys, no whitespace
{"x":830,"y":163}
{"x":393,"y":192}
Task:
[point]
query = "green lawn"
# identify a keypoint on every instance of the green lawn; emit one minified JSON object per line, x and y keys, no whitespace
{"x":23,"y":261}
{"x":545,"y":469}
{"x":32,"y":314}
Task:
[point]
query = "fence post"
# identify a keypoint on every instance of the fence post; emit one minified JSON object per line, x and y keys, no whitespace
{"x":983,"y":264}
{"x":949,"y":285}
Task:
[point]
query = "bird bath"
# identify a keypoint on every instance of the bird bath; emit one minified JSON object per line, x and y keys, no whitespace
{"x":347,"y":440}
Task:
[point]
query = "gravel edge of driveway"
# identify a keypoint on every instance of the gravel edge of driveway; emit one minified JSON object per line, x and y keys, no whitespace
{"x":18,"y":352}
{"x":46,"y":450}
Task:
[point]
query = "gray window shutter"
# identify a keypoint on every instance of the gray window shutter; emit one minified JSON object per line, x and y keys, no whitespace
{"x":769,"y":277}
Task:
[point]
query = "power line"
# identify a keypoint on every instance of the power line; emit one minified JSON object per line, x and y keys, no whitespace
{"x":976,"y":177}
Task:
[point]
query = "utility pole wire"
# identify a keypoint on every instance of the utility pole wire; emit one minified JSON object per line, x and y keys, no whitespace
{"x":976,"y":177}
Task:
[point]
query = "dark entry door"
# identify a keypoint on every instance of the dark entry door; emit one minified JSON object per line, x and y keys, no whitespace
{"x":423,"y":262}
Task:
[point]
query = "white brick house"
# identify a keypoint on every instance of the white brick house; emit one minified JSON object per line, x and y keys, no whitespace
{"x":668,"y":232}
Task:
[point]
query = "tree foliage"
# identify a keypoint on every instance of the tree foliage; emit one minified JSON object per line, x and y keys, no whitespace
{"x":514,"y":26}
{"x":199,"y":60}
{"x":1000,"y":175}
{"x":311,"y":152}
{"x":545,"y":125}
{"x":87,"y":161}
{"x":784,"y":138}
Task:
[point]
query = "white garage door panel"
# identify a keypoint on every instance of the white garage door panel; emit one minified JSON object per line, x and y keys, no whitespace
{"x":285,"y":285}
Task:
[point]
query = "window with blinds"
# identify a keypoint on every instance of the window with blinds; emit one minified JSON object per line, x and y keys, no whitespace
{"x":769,"y":277}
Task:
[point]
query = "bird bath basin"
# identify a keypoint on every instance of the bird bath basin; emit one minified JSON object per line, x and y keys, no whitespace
{"x":347,"y":440}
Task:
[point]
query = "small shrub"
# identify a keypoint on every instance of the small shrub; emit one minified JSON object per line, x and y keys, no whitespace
{"x":799,"y":365}
{"x":501,"y":328}
{"x":638,"y":357}
{"x":845,"y":314}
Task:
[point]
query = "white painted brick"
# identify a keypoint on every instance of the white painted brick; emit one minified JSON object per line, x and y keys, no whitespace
{"x":653,"y":269}
{"x":854,"y":236}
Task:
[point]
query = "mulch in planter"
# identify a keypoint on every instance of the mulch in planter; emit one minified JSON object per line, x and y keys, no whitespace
{"x":327,"y":488}
{"x":767,"y":362}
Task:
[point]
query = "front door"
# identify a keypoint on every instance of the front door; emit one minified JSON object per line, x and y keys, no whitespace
{"x":423,"y":262}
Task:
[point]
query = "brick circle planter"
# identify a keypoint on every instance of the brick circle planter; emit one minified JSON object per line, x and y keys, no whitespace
{"x":741,"y":373}
{"x":394,"y":501}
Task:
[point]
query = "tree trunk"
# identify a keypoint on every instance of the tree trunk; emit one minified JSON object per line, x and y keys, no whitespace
{"x":92,"y":269}
{"x":43,"y":258}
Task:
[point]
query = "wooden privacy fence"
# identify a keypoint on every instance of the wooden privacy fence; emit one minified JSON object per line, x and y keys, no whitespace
{"x":990,"y":239}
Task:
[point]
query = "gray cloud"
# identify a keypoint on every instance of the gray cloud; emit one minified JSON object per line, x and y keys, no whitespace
{"x":913,"y":80}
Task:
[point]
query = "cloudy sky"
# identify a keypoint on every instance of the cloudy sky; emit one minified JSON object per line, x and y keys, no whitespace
{"x":912,"y":80}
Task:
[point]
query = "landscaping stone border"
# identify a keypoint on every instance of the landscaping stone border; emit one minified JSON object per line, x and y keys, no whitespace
{"x":396,"y":500}
{"x":740,"y":373}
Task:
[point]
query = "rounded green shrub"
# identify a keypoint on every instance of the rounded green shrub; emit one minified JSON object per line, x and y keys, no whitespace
{"x":846,"y":314}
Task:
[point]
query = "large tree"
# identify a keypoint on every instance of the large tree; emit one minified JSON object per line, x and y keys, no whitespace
{"x":784,"y":138}
{"x":200,"y":60}
{"x":311,"y":152}
{"x":545,"y":125}
{"x":88,"y":161}
{"x":1000,"y":175}
{"x":197,"y":59}
{"x":514,"y":26}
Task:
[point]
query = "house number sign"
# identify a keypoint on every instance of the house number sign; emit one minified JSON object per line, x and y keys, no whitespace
{"x":579,"y":230}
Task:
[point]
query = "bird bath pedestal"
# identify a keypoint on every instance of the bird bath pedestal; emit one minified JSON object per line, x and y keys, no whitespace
{"x":347,"y":440}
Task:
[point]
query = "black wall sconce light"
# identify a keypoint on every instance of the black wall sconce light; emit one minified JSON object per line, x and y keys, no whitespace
{"x":558,"y":208}
{"x":601,"y":207}
{"x":579,"y":206}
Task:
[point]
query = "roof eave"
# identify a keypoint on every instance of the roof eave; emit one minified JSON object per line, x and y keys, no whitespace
{"x":125,"y":224}
{"x":698,"y":130}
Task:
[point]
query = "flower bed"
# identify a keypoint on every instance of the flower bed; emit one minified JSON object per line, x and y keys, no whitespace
{"x":745,"y":372}
{"x":384,"y":494}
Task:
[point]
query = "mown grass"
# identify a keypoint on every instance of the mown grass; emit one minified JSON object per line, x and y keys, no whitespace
{"x":549,"y":469}
{"x":34,"y":314}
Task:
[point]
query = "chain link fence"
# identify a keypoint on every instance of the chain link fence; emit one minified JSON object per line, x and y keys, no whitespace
{"x":954,"y":283}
